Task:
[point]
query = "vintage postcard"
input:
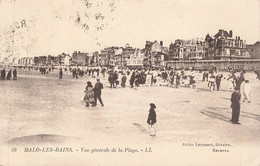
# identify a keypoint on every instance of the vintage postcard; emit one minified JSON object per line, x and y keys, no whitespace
{"x":129,"y":82}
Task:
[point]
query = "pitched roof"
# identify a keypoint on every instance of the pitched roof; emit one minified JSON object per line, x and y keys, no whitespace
{"x":222,"y":32}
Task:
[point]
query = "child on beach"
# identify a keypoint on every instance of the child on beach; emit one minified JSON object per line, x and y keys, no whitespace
{"x":152,"y":119}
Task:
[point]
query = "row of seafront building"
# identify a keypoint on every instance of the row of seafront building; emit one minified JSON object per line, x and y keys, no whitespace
{"x":222,"y":46}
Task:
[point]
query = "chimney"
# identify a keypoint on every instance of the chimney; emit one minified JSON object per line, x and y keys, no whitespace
{"x":238,"y":37}
{"x":221,"y":32}
{"x":230,"y":33}
{"x":161,"y":43}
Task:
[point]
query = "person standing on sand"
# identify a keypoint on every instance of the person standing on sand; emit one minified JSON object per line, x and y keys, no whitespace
{"x":218,"y":80}
{"x":111,"y":80}
{"x":9,"y":75}
{"x":60,"y":74}
{"x":246,"y":92}
{"x":132,"y":79}
{"x":3,"y":73}
{"x":97,"y":93}
{"x":235,"y":105}
{"x":123,"y":81}
{"x":152,"y":119}
{"x":14,"y":74}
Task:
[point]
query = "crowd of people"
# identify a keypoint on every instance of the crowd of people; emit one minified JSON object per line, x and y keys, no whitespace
{"x":147,"y":77}
{"x":150,"y":77}
{"x":10,"y":75}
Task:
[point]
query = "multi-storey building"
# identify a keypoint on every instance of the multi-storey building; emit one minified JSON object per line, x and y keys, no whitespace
{"x":88,"y":59}
{"x":136,"y":58}
{"x":254,"y":50}
{"x":93,"y":59}
{"x":151,"y":50}
{"x":65,"y":59}
{"x":107,"y":56}
{"x":160,"y":59}
{"x":176,"y":50}
{"x":53,"y":60}
{"x":187,"y":49}
{"x":38,"y":60}
{"x":223,"y":46}
{"x":79,"y":58}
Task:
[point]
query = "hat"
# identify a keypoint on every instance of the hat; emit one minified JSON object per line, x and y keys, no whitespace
{"x":153,"y":105}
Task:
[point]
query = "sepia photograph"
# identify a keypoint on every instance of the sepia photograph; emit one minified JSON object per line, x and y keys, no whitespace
{"x":129,"y":83}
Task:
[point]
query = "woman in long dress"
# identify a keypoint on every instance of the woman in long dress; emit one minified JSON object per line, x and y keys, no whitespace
{"x":89,"y":94}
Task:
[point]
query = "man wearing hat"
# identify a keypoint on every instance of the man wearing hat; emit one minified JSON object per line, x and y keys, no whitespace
{"x":97,"y":92}
{"x":235,"y":105}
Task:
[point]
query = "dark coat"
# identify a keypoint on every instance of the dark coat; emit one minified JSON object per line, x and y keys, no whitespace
{"x":151,"y":117}
{"x":218,"y":79}
{"x":235,"y":99}
{"x":9,"y":75}
{"x":235,"y":105}
{"x":123,"y":79}
{"x":15,"y":73}
{"x":111,"y":78}
{"x":97,"y":88}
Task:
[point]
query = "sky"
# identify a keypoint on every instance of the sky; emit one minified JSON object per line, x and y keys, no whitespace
{"x":43,"y":27}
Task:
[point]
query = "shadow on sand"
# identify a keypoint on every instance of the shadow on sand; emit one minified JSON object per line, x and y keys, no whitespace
{"x":249,"y":115}
{"x":40,"y":139}
{"x":217,"y":108}
{"x":204,"y":89}
{"x":216,"y":116}
{"x":141,"y":128}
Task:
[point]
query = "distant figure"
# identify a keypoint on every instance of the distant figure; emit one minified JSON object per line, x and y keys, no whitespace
{"x":115,"y":77}
{"x":211,"y":82}
{"x":3,"y":73}
{"x":97,"y":92}
{"x":247,"y":91}
{"x":97,"y":72}
{"x":74,"y":73}
{"x":241,"y":79}
{"x":235,"y":105}
{"x":123,"y":81}
{"x":9,"y":75}
{"x":60,"y":74}
{"x":89,"y":95}
{"x":148,"y":80}
{"x":132,"y":79}
{"x":218,"y":81}
{"x":111,"y":80}
{"x":203,"y":76}
{"x":206,"y":76}
{"x":152,"y":119}
{"x":14,"y":74}
{"x":178,"y":78}
{"x":257,"y":72}
{"x":103,"y":71}
{"x":232,"y":81}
